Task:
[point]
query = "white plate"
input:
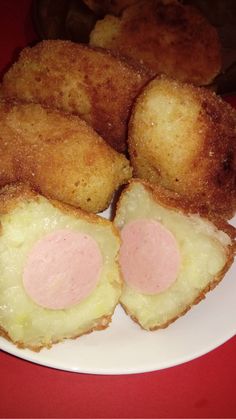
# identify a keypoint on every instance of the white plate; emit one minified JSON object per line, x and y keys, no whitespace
{"x":124,"y":348}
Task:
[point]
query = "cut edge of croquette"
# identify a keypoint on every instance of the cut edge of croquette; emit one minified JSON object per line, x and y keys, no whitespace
{"x":214,"y":282}
{"x":12,"y":194}
{"x":173,"y":201}
{"x":10,"y":197}
{"x":102,"y":324}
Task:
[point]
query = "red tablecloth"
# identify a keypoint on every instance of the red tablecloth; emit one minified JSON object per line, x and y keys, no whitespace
{"x":204,"y":387}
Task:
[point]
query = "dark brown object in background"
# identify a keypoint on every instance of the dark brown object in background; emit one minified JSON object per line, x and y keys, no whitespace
{"x":72,"y":19}
{"x":63,"y":19}
{"x":170,"y":38}
{"x":222,"y":14}
{"x":113,"y":7}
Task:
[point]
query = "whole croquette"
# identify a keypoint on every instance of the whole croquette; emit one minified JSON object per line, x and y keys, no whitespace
{"x":169,"y":37}
{"x":89,"y":82}
{"x":59,"y":155}
{"x":184,"y":138}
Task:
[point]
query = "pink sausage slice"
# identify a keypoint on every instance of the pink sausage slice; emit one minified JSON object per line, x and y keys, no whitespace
{"x":62,"y":269}
{"x":149,"y":256}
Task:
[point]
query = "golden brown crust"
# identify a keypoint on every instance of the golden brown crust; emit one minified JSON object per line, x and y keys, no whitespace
{"x":90,"y":82}
{"x":59,"y":155}
{"x":170,"y":38}
{"x":101,"y":324}
{"x":205,"y":172}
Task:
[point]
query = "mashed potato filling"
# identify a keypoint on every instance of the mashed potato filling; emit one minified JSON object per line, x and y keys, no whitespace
{"x":27,"y":323}
{"x":203,"y":255}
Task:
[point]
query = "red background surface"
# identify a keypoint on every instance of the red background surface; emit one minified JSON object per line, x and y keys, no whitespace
{"x":205,"y":387}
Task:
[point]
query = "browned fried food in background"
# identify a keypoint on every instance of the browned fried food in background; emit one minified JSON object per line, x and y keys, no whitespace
{"x":59,"y":155}
{"x":91,"y":83}
{"x":170,"y":38}
{"x":184,"y":138}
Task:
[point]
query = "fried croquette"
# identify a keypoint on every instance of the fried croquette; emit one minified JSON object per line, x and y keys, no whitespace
{"x":184,"y":138}
{"x":88,"y":82}
{"x":59,"y":155}
{"x":45,"y":246}
{"x":170,"y":38}
{"x":170,"y":256}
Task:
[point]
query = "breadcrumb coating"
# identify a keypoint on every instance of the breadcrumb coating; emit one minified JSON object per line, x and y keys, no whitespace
{"x":184,"y":138}
{"x":168,"y":37}
{"x":89,"y":82}
{"x":59,"y":155}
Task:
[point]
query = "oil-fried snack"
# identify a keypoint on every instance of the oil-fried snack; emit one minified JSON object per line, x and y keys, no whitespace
{"x":184,"y":138}
{"x":59,"y":155}
{"x":170,"y":38}
{"x":88,"y":82}
{"x":44,"y":270}
{"x":170,"y":257}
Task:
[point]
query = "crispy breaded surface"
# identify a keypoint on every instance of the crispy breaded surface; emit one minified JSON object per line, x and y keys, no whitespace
{"x":171,"y":39}
{"x":27,"y":217}
{"x":91,"y":83}
{"x":59,"y":155}
{"x":184,"y":138}
{"x":207,"y":248}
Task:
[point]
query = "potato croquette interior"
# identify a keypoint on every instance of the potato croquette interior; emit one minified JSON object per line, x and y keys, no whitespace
{"x":183,"y":138}
{"x":168,"y":37}
{"x":26,"y":218}
{"x":149,"y":256}
{"x":91,"y":83}
{"x":59,"y":155}
{"x":206,"y":251}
